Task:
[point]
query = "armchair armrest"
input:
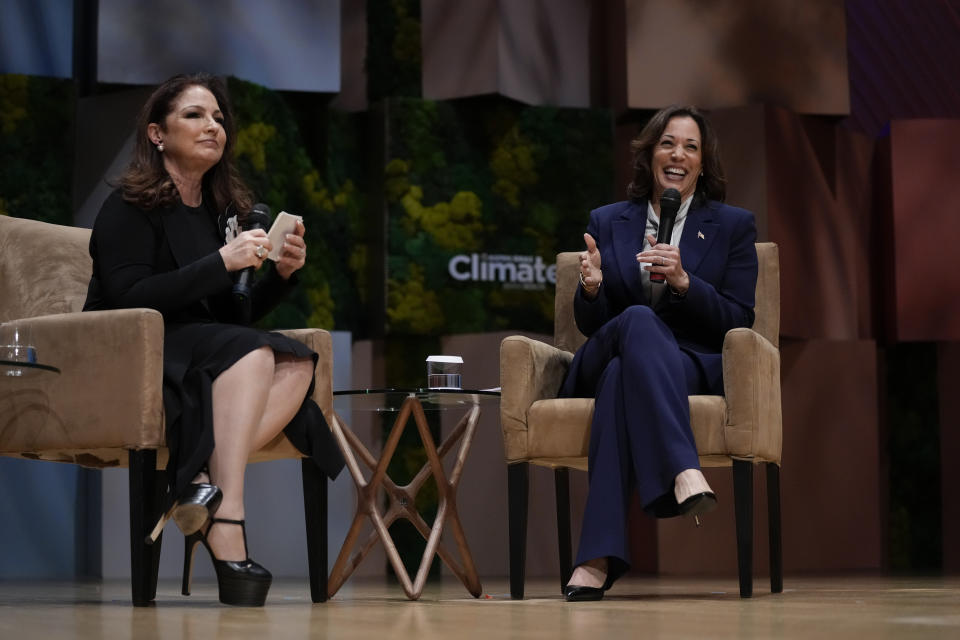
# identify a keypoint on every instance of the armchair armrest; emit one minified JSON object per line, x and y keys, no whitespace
{"x":530,"y":370}
{"x":109,"y":393}
{"x":320,"y":341}
{"x":751,"y":380}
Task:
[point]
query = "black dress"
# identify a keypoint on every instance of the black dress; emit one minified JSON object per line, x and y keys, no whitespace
{"x":168,"y":259}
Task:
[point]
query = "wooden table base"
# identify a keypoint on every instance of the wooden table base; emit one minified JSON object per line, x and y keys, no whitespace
{"x":402,"y":501}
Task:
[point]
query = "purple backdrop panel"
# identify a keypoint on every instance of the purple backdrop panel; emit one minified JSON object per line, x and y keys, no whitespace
{"x":723,"y":54}
{"x":926,"y":228}
{"x":900,"y":54}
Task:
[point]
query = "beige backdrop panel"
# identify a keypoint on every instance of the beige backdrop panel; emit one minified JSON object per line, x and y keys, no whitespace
{"x":723,"y":54}
{"x":535,"y":51}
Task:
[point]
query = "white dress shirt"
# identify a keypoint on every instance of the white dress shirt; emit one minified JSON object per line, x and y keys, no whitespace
{"x":655,"y":289}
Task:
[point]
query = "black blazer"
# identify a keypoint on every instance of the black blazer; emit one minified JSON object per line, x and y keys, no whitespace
{"x":167,"y":259}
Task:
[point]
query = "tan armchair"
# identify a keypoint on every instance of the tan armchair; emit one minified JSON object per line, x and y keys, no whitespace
{"x":739,"y":429}
{"x":105,"y":408}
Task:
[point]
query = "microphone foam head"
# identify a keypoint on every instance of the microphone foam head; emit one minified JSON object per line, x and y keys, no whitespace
{"x":259,"y":216}
{"x":669,"y":196}
{"x":669,"y":203}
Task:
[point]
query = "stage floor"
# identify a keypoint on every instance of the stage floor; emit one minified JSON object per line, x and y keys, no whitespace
{"x":842,"y":607}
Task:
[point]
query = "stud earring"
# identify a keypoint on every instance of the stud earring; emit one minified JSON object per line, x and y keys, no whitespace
{"x":160,"y":147}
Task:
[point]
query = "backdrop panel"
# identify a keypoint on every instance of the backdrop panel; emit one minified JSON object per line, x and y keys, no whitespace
{"x":924,"y":234}
{"x":284,"y":44}
{"x":724,"y":54}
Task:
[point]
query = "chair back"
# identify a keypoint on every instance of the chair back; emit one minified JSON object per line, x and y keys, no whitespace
{"x":44,"y":268}
{"x":767,"y":305}
{"x":767,"y":310}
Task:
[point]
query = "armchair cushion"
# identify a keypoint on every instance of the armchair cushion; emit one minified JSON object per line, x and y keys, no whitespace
{"x":560,"y":428}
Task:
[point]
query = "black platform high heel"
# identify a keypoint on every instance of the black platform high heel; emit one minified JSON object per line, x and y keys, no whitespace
{"x":243,"y":583}
{"x":200,"y":500}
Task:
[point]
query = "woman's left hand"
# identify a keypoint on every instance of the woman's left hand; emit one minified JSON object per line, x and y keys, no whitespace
{"x":293,"y":254}
{"x":665,"y":259}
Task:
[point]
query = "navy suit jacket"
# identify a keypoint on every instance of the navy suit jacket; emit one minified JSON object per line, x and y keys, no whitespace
{"x":717,"y":250}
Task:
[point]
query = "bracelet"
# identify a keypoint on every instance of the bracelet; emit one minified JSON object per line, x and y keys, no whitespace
{"x":584,"y":285}
{"x":678,"y":293}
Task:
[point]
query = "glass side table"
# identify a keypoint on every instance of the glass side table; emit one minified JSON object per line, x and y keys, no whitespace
{"x":406,"y":403}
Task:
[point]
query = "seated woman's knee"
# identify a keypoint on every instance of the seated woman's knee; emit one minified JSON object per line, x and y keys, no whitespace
{"x":305,"y":368}
{"x":263,"y":358}
{"x":638,"y":316}
{"x":300,"y":367}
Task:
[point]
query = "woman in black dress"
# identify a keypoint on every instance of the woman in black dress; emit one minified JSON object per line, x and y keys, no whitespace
{"x":229,"y":389}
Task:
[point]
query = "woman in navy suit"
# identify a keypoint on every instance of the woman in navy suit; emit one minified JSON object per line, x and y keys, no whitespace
{"x":652,"y":344}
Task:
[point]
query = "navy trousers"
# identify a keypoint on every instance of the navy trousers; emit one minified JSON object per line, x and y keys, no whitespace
{"x":640,"y":436}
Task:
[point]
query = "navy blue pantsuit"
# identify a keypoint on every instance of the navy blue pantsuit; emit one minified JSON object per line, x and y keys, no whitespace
{"x":641,"y":363}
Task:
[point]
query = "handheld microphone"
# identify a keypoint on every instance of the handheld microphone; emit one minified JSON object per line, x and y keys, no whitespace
{"x":258,"y":218}
{"x":669,"y":205}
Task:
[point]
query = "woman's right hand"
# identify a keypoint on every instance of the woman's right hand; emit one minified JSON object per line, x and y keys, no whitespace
{"x":590,"y":274}
{"x":241,"y":252}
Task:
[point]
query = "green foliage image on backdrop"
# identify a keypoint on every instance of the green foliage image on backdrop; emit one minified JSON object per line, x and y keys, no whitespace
{"x":36,"y":147}
{"x":275,"y":163}
{"x":492,"y":177}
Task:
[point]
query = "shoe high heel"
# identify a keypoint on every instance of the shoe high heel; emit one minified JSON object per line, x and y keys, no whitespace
{"x":243,"y":583}
{"x":698,"y":504}
{"x":191,"y":510}
{"x":190,"y":543}
{"x":198,"y":503}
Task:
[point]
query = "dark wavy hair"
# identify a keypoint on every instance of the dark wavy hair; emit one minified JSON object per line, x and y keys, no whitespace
{"x":712,"y":185}
{"x":146,"y":183}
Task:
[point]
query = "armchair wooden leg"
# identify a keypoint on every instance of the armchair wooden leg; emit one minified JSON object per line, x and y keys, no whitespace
{"x":518,"y":492}
{"x":146,"y":492}
{"x":561,"y":479}
{"x":315,"y":512}
{"x":773,"y":516}
{"x":743,"y":505}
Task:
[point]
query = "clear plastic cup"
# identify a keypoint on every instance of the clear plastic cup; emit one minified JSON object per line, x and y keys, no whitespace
{"x":15,"y":347}
{"x":443,"y":372}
